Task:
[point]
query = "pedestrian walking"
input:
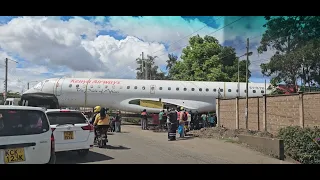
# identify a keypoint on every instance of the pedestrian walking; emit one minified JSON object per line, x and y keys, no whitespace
{"x":117,"y":122}
{"x":172,"y":124}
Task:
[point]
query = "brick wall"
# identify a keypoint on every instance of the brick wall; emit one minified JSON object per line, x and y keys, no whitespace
{"x":281,"y":111}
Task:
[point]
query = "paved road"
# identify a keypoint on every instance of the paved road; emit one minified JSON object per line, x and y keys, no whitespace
{"x":134,"y":146}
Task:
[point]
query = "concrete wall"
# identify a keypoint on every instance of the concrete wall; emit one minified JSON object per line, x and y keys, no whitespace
{"x":280,"y":111}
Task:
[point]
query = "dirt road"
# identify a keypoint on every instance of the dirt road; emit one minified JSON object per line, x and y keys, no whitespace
{"x":134,"y":146}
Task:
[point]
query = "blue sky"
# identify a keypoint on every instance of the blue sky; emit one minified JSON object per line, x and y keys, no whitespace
{"x":99,"y":46}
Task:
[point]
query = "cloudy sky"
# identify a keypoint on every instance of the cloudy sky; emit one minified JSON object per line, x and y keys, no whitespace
{"x":107,"y":47}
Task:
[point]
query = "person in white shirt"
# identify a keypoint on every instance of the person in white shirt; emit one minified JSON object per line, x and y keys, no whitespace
{"x":189,"y":120}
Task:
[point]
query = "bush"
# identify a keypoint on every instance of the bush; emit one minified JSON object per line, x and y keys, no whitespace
{"x":301,"y":144}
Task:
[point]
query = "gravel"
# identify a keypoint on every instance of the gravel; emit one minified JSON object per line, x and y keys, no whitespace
{"x":222,"y":133}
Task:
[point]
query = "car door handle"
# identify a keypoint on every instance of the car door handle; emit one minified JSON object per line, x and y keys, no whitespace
{"x":7,"y":146}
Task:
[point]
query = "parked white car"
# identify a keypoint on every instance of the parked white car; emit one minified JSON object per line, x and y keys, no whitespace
{"x":25,"y":136}
{"x":71,"y":130}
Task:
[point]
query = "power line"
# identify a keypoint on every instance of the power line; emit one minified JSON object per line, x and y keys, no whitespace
{"x":212,"y":21}
{"x":208,"y":34}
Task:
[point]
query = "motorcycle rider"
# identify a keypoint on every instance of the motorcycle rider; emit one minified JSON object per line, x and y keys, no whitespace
{"x":96,"y":111}
{"x":102,"y":121}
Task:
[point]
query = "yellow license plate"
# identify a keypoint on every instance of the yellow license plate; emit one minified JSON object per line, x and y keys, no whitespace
{"x":14,"y":155}
{"x":68,"y":135}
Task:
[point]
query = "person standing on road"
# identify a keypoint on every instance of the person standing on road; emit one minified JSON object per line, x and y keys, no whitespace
{"x":161,"y":115}
{"x":189,"y":119}
{"x":216,"y":119}
{"x":144,"y":119}
{"x":211,"y":120}
{"x":183,"y":119}
{"x":117,"y":122}
{"x":172,"y":124}
{"x":196,"y":119}
{"x":203,"y":120}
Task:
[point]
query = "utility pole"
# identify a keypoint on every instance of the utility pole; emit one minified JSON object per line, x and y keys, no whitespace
{"x":146,"y":69}
{"x":6,"y":81}
{"x":239,"y":77}
{"x":5,"y":94}
{"x":247,"y":84}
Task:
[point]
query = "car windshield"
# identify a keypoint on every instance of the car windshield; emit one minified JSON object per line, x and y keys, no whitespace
{"x":22,"y":122}
{"x":59,"y":118}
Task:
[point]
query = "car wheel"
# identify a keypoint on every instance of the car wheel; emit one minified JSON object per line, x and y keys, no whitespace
{"x":83,"y":152}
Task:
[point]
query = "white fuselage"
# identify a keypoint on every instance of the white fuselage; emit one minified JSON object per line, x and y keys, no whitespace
{"x":117,"y":93}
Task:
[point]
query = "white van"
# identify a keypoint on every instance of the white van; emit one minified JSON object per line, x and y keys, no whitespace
{"x":25,"y":136}
{"x":12,"y":101}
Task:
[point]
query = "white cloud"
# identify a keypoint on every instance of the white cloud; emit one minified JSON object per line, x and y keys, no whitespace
{"x":40,"y":38}
{"x":166,"y":29}
{"x":54,"y":46}
{"x":49,"y":43}
{"x":119,"y":55}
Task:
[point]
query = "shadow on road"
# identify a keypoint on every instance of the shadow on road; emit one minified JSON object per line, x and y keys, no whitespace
{"x":117,"y":147}
{"x":186,"y":138}
{"x":74,"y":158}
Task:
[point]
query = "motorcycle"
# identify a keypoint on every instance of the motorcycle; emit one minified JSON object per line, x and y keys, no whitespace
{"x":101,"y":139}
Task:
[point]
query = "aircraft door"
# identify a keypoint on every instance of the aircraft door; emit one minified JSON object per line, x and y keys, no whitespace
{"x":59,"y":87}
{"x":152,"y":89}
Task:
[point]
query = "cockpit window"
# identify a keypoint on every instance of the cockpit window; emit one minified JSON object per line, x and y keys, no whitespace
{"x":270,"y":87}
{"x":38,"y":86}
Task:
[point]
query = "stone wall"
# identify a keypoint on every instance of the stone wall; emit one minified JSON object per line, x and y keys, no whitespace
{"x":281,"y":111}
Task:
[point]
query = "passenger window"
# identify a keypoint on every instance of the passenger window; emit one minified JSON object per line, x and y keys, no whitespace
{"x":177,"y":89}
{"x":229,"y":90}
{"x":106,"y":87}
{"x":77,"y":85}
{"x":221,"y":90}
{"x":192,"y":89}
{"x":128,"y":87}
{"x":135,"y":87}
{"x":237,"y":90}
{"x":120,"y":87}
{"x":160,"y":88}
{"x":200,"y":89}
{"x":98,"y":86}
{"x":245,"y":91}
{"x":70,"y":85}
{"x":207,"y":89}
{"x":185,"y":89}
{"x":169,"y":88}
{"x":262,"y":91}
{"x":254,"y":91}
{"x":91,"y":86}
{"x":214,"y":90}
{"x":143,"y":87}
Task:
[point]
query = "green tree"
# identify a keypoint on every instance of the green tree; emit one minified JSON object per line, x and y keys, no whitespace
{"x":290,"y":37}
{"x":149,"y":65}
{"x":204,"y":59}
{"x":172,"y":60}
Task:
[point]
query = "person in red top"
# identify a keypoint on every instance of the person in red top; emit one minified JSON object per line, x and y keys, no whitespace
{"x":144,"y":120}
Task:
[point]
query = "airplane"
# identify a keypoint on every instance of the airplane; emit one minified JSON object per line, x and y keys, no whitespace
{"x":133,"y":95}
